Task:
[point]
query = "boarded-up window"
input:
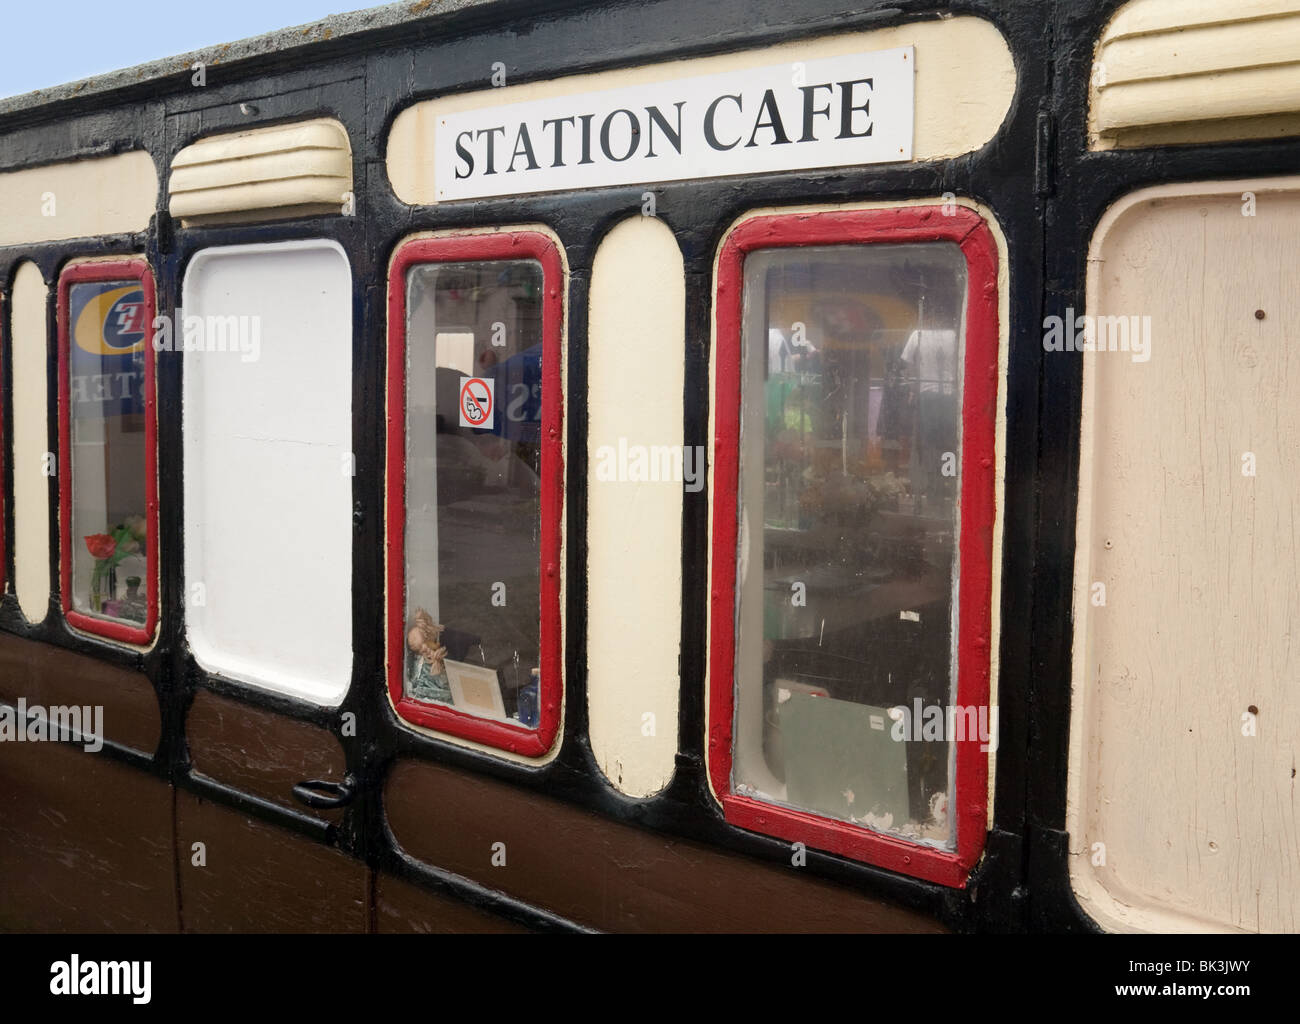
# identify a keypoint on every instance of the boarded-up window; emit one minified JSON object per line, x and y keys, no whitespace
{"x":1182,"y":810}
{"x":267,"y":340}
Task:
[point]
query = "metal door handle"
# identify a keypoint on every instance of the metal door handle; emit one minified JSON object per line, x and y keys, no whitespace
{"x":324,"y":793}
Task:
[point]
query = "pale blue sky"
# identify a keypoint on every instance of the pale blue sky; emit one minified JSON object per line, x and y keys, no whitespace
{"x":44,"y":44}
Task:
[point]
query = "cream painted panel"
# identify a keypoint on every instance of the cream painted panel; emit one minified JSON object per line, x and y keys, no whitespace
{"x":635,"y":380}
{"x":97,"y":196}
{"x":31,"y":441}
{"x":1198,"y":821}
{"x":965,"y":79}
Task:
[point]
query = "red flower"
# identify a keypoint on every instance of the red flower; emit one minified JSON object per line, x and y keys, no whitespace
{"x":101,"y":545}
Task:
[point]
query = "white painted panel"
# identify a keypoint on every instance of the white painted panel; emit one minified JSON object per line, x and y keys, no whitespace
{"x":30,"y":443}
{"x":635,"y":379}
{"x":268,"y":497}
{"x":1180,"y":818}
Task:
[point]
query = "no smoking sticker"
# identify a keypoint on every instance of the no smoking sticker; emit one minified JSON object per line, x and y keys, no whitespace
{"x":475,"y":402}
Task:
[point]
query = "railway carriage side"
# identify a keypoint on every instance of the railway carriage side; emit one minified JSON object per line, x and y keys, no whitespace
{"x":836,"y":463}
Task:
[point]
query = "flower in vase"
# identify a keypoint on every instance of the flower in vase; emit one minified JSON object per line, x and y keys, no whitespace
{"x":137,"y":527}
{"x":101,"y":545}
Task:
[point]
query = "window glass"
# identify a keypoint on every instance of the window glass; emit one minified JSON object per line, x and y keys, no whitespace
{"x":473,"y":488}
{"x":850,"y":448}
{"x":108,"y":324}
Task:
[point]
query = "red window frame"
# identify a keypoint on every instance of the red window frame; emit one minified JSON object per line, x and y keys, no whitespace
{"x":4,"y":441}
{"x":975,"y":548}
{"x":79,"y":273}
{"x":473,"y":248}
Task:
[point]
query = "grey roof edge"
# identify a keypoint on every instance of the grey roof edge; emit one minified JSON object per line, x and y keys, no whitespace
{"x":334,"y":27}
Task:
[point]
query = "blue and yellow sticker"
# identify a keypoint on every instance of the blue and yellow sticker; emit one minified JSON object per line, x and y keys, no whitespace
{"x":108,"y":338}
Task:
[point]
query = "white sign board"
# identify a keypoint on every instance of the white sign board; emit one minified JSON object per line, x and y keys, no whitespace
{"x":832,"y":112}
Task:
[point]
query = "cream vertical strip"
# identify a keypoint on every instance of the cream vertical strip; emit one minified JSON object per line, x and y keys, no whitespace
{"x":31,"y":442}
{"x":636,"y":375}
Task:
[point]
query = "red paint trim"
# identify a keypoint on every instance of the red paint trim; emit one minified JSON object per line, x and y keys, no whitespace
{"x":975,"y":554}
{"x":513,"y":245}
{"x":4,"y":496}
{"x":78,"y":273}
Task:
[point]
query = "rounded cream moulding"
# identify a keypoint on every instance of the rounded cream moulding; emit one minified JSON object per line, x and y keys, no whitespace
{"x":286,"y":170}
{"x":1196,"y":71}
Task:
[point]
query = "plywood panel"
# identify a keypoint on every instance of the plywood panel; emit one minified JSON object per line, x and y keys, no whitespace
{"x":1202,"y":597}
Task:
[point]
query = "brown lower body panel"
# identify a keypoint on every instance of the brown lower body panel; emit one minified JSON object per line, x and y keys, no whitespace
{"x":403,"y":908}
{"x":611,"y":876}
{"x":85,"y":843}
{"x":50,"y":676}
{"x":257,"y":877}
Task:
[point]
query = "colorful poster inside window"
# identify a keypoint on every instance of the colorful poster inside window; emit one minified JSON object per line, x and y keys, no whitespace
{"x":107,"y":439}
{"x":109,"y":335}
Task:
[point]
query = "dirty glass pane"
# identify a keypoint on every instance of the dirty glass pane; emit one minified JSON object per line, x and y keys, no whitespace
{"x":850,"y":446}
{"x":107,"y":334}
{"x":473,"y":497}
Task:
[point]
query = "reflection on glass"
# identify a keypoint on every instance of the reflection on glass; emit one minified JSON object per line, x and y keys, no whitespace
{"x":107,"y":334}
{"x":473,"y":498}
{"x":850,"y":448}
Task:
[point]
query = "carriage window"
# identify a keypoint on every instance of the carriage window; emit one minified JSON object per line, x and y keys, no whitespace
{"x":475,"y":652}
{"x":850,"y":420}
{"x":108,"y":482}
{"x":849,"y":474}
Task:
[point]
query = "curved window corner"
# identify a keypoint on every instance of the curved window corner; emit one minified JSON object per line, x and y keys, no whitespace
{"x":475,"y":487}
{"x":852,"y":534}
{"x":108,"y":477}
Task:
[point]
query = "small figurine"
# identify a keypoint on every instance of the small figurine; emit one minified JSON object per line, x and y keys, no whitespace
{"x":428,"y":679}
